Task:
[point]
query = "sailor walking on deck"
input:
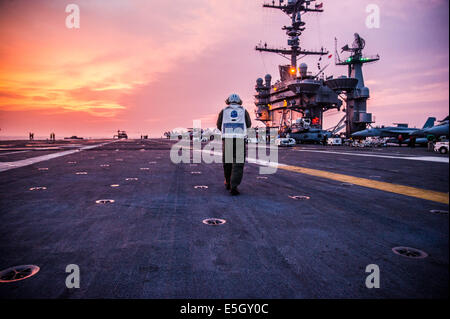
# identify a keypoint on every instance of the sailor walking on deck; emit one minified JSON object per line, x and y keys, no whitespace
{"x":233,"y":122}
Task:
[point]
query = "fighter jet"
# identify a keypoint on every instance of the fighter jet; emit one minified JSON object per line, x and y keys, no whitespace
{"x":437,"y":131}
{"x":401,"y":132}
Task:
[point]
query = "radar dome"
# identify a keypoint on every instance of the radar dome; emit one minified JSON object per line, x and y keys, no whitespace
{"x":303,"y":69}
{"x":268,"y":79}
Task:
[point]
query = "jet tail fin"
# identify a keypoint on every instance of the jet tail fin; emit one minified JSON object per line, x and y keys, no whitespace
{"x":430,"y":122}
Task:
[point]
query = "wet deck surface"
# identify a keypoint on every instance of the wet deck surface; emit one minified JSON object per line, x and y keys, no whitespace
{"x":151,"y":242}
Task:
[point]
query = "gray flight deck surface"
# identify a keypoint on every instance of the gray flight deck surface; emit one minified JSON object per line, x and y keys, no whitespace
{"x":151,"y":242}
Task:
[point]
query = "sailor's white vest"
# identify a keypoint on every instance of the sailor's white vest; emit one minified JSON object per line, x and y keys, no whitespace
{"x":233,"y":122}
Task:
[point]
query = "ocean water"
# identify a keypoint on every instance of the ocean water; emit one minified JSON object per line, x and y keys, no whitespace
{"x":19,"y":138}
{"x":41,"y":138}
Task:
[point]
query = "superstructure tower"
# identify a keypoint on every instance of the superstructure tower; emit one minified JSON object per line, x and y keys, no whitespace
{"x":295,"y":104}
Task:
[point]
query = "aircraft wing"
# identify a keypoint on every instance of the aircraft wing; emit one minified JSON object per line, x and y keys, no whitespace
{"x":407,"y":132}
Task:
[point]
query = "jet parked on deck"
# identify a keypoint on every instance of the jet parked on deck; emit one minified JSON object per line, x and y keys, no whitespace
{"x":437,"y":131}
{"x":401,"y":132}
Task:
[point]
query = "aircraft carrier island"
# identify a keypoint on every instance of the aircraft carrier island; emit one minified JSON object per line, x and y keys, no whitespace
{"x":356,"y":211}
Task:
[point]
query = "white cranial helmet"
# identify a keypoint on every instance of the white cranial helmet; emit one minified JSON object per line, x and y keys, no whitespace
{"x":233,"y":99}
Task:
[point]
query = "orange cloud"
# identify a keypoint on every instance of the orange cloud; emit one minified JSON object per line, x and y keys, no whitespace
{"x":168,"y":62}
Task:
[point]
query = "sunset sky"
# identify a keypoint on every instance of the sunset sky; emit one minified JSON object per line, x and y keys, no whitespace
{"x":149,"y":66}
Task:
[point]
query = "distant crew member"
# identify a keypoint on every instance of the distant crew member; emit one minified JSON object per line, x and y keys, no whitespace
{"x":412,"y":141}
{"x":233,"y":121}
{"x":324,"y":140}
{"x":430,"y":139}
{"x":400,"y":140}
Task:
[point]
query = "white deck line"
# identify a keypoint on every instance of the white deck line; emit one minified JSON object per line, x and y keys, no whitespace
{"x":9,"y":153}
{"x":411,"y":158}
{"x":435,"y":159}
{"x":5,"y":166}
{"x":275,"y":164}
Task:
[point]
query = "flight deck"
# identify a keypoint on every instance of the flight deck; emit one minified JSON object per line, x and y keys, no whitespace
{"x":135,"y":223}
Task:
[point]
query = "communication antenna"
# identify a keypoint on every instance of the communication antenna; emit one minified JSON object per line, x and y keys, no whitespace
{"x":294,"y":9}
{"x":337,"y":58}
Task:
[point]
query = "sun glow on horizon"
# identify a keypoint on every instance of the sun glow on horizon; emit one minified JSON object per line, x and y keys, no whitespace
{"x":143,"y":64}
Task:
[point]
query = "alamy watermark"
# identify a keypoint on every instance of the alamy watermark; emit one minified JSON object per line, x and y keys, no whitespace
{"x":73,"y":19}
{"x":373,"y":19}
{"x":373,"y":280}
{"x":73,"y":279}
{"x":191,"y":147}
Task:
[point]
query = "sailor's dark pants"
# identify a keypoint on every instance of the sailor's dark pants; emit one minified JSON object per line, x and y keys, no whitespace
{"x":233,"y":159}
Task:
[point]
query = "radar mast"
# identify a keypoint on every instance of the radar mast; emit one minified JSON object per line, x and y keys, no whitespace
{"x":294,"y":9}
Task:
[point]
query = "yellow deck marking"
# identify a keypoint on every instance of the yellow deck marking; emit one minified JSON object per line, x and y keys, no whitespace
{"x":433,"y":196}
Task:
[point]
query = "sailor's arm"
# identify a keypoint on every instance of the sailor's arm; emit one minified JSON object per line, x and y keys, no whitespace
{"x":248,"y":120}
{"x":219,"y":120}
